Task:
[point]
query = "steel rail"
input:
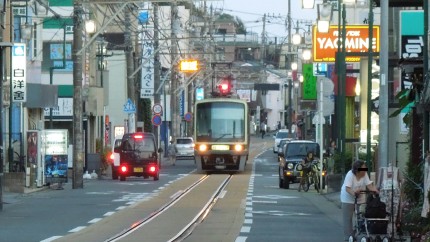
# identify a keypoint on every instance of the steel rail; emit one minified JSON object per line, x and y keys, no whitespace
{"x":187,"y":230}
{"x":135,"y":226}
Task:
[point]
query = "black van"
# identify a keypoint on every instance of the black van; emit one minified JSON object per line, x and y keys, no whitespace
{"x":138,"y":156}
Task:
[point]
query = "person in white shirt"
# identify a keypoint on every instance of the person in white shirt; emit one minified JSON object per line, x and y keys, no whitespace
{"x":356,"y":180}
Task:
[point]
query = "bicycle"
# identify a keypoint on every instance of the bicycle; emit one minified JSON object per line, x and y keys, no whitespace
{"x":18,"y":165}
{"x":311,"y":177}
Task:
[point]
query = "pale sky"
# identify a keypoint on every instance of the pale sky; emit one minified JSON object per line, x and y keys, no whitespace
{"x":251,"y":11}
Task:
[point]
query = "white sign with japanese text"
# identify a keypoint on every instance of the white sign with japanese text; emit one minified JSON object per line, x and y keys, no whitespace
{"x":19,"y":69}
{"x":147,"y":82}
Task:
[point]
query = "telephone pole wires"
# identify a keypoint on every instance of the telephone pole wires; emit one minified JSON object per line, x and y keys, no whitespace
{"x":78,"y":148}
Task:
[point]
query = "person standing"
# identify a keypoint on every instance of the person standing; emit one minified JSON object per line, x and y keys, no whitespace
{"x":263,"y":129}
{"x":356,"y":180}
{"x":172,"y":150}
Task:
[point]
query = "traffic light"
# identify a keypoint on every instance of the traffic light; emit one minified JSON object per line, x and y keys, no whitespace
{"x":224,"y":87}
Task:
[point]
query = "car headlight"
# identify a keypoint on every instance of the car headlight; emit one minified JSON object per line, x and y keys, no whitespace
{"x":290,"y":166}
{"x":299,"y":167}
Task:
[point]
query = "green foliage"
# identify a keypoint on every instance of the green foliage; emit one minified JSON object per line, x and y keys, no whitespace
{"x":145,"y":113}
{"x":404,"y":103}
{"x":342,"y":166}
{"x":104,"y":154}
{"x":412,"y":222}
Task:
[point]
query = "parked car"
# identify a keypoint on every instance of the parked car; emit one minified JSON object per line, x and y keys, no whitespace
{"x":138,"y":156}
{"x":185,"y":147}
{"x":292,"y":155}
{"x":281,"y":145}
{"x":281,"y":134}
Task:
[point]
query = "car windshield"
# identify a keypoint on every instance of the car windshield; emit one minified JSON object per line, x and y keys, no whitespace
{"x":141,"y":145}
{"x":281,"y":135}
{"x":184,"y":141}
{"x":301,"y":149}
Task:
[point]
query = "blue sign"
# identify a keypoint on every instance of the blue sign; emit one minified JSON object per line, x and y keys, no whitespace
{"x":129,"y":106}
{"x":156,"y":120}
{"x":143,"y":17}
{"x":188,"y":116}
{"x":182,"y":104}
{"x":200,"y":93}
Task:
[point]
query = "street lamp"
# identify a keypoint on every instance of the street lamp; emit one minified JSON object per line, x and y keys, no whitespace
{"x":325,"y":13}
{"x":308,"y":4}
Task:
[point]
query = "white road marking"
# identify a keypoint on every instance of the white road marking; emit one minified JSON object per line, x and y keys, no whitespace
{"x":77,"y":229}
{"x":241,"y":239}
{"x":249,"y":203}
{"x":95,"y":220}
{"x":271,"y":202}
{"x":222,"y":194}
{"x":120,"y":208}
{"x":108,"y":213}
{"x":275,"y":197}
{"x":51,"y":239}
{"x":245,"y":229}
{"x":248,"y":221}
{"x":248,"y":215}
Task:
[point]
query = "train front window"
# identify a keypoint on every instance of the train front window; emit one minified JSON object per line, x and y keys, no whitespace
{"x":220,"y":121}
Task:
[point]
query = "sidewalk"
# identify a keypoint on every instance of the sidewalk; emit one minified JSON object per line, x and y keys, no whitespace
{"x":334,"y":197}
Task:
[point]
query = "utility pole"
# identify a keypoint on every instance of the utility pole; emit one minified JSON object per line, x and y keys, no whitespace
{"x":157,"y":67}
{"x":131,"y":90}
{"x":383,"y":93}
{"x":263,"y":41}
{"x":78,"y":151}
{"x":174,"y":72}
{"x":290,"y":83}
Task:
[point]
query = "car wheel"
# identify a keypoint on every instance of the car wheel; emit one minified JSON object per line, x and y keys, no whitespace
{"x":157,"y":177}
{"x":286,"y":183}
{"x":122,"y":178}
{"x":114,"y":173}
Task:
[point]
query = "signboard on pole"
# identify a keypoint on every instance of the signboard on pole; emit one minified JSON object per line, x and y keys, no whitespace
{"x":357,"y":40}
{"x":147,"y":81}
{"x":19,"y":69}
{"x":412,"y":35}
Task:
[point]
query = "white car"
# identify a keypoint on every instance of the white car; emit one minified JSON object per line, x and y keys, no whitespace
{"x":281,"y":134}
{"x":185,"y":147}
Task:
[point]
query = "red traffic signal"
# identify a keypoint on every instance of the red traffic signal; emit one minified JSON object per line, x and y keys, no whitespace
{"x":224,"y":87}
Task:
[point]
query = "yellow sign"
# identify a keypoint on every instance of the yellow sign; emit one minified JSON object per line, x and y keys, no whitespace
{"x":220,"y":147}
{"x":188,"y":65}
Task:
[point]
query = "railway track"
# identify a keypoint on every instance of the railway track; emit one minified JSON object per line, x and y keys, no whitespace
{"x":170,"y":216}
{"x":189,"y":209}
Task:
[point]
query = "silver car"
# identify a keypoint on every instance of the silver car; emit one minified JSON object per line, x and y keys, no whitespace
{"x":185,"y":146}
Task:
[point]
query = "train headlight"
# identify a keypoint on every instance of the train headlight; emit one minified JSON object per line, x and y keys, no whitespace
{"x":203,"y":147}
{"x":290,"y":166}
{"x":238,"y":147}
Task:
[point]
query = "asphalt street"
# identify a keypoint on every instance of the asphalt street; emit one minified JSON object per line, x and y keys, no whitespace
{"x":45,"y":213}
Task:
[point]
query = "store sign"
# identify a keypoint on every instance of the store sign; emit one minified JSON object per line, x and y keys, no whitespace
{"x":325,"y":45}
{"x":19,"y":69}
{"x":147,"y":81}
{"x":412,"y":35}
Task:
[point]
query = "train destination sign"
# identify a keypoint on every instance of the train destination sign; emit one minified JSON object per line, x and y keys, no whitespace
{"x":325,"y":45}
